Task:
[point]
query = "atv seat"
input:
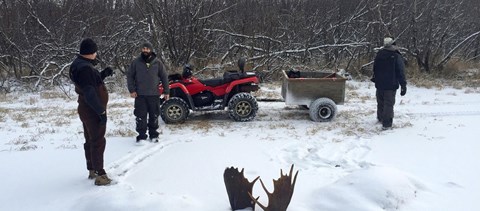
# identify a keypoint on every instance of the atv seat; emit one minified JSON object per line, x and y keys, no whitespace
{"x":213,"y":82}
{"x":234,"y":75}
{"x":227,"y":78}
{"x":231,"y":76}
{"x":174,"y":77}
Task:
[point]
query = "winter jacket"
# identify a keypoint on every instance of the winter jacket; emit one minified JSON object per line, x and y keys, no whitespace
{"x":144,"y":76}
{"x":89,"y":85}
{"x":388,"y":70}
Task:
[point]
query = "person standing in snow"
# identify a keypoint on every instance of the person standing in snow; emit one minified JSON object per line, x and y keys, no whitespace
{"x":143,"y":78}
{"x":388,"y":74}
{"x":92,"y":107}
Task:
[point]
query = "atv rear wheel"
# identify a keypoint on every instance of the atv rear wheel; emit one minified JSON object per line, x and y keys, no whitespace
{"x":322,"y":110}
{"x":242,"y":107}
{"x":174,"y":111}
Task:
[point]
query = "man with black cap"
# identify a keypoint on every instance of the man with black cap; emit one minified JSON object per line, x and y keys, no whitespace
{"x":92,"y":107}
{"x":143,"y":78}
{"x":388,"y":74}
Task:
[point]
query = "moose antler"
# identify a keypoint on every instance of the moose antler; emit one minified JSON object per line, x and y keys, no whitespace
{"x":238,"y":189}
{"x":282,"y":192}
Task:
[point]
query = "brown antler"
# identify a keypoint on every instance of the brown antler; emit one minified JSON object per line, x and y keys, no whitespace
{"x":282,"y":192}
{"x":238,"y":189}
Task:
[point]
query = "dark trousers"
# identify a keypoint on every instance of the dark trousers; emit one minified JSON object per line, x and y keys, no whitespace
{"x":385,"y":103}
{"x":147,"y":105}
{"x":94,"y":134}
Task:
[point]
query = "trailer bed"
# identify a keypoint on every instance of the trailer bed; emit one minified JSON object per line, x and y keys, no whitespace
{"x":306,"y":87}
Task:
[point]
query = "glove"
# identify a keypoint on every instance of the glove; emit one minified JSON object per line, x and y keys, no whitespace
{"x":103,"y":118}
{"x":403,"y":90}
{"x":106,"y":72}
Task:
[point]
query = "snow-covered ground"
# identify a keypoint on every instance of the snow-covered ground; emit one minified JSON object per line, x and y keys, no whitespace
{"x":430,"y":161}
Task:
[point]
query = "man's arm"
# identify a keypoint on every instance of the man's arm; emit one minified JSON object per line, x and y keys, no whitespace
{"x":162,"y":73}
{"x":375,"y":64}
{"x":131,"y":78}
{"x":400,"y":70}
{"x":86,"y":81}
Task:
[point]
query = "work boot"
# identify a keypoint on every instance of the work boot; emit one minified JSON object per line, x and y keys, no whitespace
{"x":92,"y":174}
{"x":141,"y":139}
{"x":387,"y":124}
{"x":102,"y":180}
{"x":386,"y":128}
{"x":140,"y":142}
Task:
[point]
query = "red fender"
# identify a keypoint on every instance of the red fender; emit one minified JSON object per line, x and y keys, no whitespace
{"x":172,"y":86}
{"x":242,"y":81}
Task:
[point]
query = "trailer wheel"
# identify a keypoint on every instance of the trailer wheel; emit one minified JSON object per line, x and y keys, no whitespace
{"x":242,"y":107}
{"x":322,"y":110}
{"x":174,"y":111}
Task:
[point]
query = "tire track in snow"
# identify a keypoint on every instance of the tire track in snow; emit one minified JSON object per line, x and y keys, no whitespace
{"x":120,"y":168}
{"x":443,"y":114}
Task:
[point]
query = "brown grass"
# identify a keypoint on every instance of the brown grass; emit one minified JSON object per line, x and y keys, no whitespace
{"x":45,"y":130}
{"x":60,"y":122}
{"x":456,"y":73}
{"x":3,"y":97}
{"x":203,"y":126}
{"x":119,"y":105}
{"x":52,"y":95}
{"x":3,"y":113}
{"x":122,"y":132}
{"x":23,"y":143}
{"x":18,"y":117}
{"x":287,"y":126}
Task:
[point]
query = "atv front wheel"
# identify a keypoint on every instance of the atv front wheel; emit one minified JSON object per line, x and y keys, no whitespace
{"x":322,"y":110}
{"x":242,"y":107}
{"x":174,"y":111}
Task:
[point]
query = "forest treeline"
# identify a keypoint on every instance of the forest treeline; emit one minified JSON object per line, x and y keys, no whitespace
{"x":39,"y":38}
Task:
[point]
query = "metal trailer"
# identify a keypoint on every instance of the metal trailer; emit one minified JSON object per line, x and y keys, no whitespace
{"x":320,"y":92}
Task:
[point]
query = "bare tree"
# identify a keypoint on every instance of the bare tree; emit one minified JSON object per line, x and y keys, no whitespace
{"x":38,"y":39}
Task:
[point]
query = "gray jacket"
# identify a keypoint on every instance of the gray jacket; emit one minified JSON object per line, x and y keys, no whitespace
{"x":143,"y":77}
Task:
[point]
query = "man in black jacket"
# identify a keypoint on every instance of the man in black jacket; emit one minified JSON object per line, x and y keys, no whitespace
{"x":143,"y":78}
{"x":388,"y":74}
{"x":92,"y":107}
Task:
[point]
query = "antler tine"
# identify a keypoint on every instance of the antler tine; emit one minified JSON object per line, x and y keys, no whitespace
{"x":294,"y":180}
{"x":255,"y":200}
{"x":264,"y":188}
{"x":291,"y":170}
{"x":255,"y":179}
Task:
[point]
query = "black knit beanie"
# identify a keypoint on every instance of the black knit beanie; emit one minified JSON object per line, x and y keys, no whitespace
{"x":88,"y":46}
{"x":147,"y":45}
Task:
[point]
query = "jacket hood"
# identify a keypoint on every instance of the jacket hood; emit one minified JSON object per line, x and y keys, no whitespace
{"x":94,"y":62}
{"x":387,"y":53}
{"x":390,"y":48}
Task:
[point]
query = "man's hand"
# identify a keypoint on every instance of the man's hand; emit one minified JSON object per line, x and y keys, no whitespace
{"x":103,"y":118}
{"x":403,"y":90}
{"x":106,"y":72}
{"x":133,"y":94}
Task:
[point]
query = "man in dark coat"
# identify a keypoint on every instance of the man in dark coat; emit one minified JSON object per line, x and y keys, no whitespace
{"x":388,"y":74}
{"x":143,"y":78}
{"x":92,"y":107}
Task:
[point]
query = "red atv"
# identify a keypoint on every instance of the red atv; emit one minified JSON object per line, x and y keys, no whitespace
{"x":231,"y":91}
